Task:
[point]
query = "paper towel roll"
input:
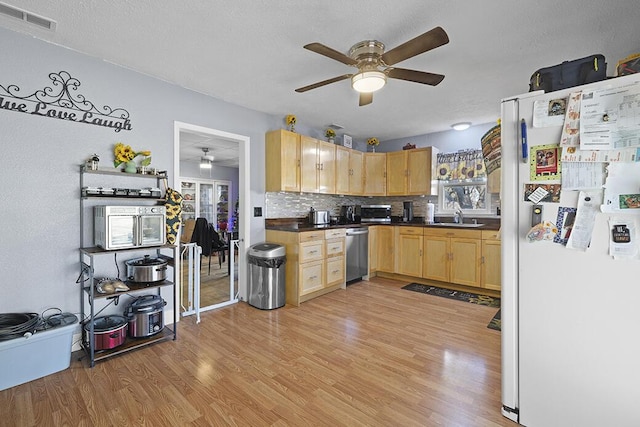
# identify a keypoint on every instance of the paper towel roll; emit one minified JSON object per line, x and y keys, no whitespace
{"x":430,"y":212}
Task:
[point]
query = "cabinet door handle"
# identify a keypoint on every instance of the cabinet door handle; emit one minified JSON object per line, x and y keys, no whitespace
{"x":482,"y":259}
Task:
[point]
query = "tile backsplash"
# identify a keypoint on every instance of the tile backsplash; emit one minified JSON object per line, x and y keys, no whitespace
{"x":297,"y":205}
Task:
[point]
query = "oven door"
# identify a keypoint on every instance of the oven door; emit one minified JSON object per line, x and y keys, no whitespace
{"x":121,"y":231}
{"x":152,"y":230}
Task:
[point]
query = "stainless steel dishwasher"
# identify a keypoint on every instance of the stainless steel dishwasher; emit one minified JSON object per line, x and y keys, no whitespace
{"x":357,"y":242}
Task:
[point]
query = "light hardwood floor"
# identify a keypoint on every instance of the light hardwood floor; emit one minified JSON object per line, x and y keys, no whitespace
{"x":370,"y":355}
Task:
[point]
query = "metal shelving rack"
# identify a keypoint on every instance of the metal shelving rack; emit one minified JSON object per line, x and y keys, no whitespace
{"x":88,"y":291}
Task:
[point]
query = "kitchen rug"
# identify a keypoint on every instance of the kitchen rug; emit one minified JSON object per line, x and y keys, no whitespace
{"x":496,"y":322}
{"x":453,"y":294}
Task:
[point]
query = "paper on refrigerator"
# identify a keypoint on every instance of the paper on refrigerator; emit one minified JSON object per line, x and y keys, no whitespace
{"x":588,"y":207}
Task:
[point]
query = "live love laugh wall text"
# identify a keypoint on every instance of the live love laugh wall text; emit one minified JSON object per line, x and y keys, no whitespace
{"x":61,"y":101}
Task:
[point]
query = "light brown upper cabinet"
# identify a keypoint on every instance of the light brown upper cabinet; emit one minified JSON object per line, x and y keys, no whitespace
{"x":317,"y":166}
{"x":375,"y":174}
{"x":409,"y":172}
{"x":282,"y":156}
{"x":349,"y":170}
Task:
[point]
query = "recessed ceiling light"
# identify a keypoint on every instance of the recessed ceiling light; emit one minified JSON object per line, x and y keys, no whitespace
{"x":461,"y":126}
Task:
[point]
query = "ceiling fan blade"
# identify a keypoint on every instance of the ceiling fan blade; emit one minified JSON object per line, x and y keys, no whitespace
{"x":330,"y":53}
{"x":415,"y":76}
{"x":323,"y":83}
{"x":365,"y":98}
{"x":427,"y":41}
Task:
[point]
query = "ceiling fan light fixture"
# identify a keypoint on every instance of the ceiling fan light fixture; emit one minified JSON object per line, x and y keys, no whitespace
{"x":461,"y":126}
{"x":368,"y":81}
{"x":206,"y":161}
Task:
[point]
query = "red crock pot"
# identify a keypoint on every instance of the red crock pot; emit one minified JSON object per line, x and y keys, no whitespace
{"x":108,"y":331}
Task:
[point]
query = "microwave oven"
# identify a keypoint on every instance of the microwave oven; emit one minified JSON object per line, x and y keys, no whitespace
{"x":375,"y":213}
{"x":121,"y":227}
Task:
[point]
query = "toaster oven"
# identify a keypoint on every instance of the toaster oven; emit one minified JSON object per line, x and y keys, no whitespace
{"x":121,"y":227}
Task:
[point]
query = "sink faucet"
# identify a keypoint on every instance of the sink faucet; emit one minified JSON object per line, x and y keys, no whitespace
{"x":458,"y":216}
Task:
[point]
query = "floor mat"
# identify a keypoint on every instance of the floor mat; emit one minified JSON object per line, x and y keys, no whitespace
{"x":496,"y":322}
{"x":453,"y":294}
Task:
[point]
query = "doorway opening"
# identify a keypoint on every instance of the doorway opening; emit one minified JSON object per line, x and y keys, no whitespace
{"x":232,"y":148}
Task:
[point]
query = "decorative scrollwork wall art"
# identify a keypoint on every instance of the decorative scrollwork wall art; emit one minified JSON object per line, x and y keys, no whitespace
{"x":62,"y":101}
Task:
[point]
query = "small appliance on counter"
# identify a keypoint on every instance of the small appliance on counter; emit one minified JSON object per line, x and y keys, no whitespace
{"x":407,"y":211}
{"x":375,"y":213}
{"x":350,"y":214}
{"x":145,"y":316}
{"x":319,"y":217}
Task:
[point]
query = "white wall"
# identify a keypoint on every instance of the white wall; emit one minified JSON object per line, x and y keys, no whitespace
{"x":40,"y":158}
{"x":447,"y":142}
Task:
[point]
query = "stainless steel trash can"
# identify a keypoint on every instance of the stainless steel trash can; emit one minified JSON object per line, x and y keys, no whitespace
{"x":266,"y":275}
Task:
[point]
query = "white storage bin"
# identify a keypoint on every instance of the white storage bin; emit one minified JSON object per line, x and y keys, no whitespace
{"x":26,"y":359}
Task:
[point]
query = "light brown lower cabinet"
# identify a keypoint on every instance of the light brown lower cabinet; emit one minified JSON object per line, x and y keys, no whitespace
{"x":491,"y":260}
{"x":410,"y":249}
{"x":452,"y":255}
{"x":385,"y":249}
{"x":315,"y":262}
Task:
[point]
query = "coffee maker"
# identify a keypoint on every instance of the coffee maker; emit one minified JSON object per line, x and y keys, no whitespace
{"x":350,"y":214}
{"x":407,"y":211}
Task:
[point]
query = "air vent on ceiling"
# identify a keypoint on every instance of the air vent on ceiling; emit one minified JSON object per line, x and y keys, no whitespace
{"x":29,"y":17}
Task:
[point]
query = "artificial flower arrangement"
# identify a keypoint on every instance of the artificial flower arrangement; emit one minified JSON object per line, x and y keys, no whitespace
{"x":330,"y":133}
{"x":124,"y":153}
{"x":373,"y":141}
{"x":290,"y":120}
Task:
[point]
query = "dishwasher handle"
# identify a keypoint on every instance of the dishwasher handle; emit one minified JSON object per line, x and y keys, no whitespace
{"x":356,"y":231}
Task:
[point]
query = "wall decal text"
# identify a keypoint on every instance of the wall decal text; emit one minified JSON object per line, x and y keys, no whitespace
{"x":62,"y":101}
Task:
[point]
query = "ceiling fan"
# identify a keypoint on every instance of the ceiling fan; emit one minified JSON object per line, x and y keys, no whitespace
{"x":375,"y":65}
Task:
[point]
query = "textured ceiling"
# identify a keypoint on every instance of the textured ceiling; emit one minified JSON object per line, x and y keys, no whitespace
{"x":249,"y":52}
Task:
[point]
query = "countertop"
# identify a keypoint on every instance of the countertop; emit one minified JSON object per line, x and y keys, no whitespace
{"x":301,"y":225}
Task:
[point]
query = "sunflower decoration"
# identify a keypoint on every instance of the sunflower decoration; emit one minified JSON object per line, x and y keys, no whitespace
{"x":443,"y":171}
{"x":290,"y":120}
{"x":462,"y":169}
{"x":124,"y":153}
{"x":330,"y":134}
{"x":373,"y":141}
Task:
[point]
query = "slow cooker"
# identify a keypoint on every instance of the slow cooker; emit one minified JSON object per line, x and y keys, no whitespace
{"x":108,"y":332}
{"x":145,"y":315}
{"x":146,"y":269}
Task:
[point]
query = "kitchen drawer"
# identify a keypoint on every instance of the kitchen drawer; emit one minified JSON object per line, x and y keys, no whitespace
{"x":414,"y":231}
{"x":308,"y":236}
{"x":335,"y":247}
{"x":335,"y":233}
{"x":311,"y":251}
{"x":490,"y":234}
{"x":311,"y":276}
{"x":452,"y":232}
{"x":335,"y":271}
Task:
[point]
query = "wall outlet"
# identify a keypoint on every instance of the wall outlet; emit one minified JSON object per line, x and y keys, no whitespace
{"x":257,"y":211}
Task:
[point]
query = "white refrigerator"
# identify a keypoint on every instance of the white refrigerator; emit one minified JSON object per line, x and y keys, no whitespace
{"x":570,"y":317}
